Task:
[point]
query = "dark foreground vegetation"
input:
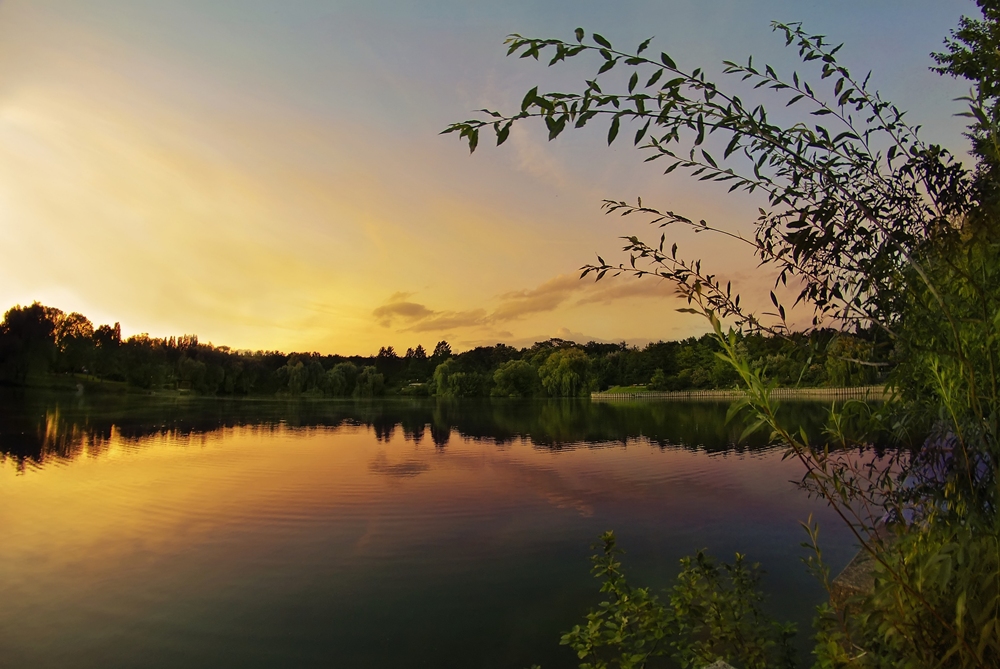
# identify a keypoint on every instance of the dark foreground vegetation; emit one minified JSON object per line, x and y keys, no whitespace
{"x":42,"y":345}
{"x":880,"y":231}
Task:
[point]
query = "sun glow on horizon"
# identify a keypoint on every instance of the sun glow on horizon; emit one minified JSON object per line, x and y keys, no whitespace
{"x":218,"y":183}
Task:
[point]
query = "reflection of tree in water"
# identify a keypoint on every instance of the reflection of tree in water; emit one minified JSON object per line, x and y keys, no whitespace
{"x":36,"y":429}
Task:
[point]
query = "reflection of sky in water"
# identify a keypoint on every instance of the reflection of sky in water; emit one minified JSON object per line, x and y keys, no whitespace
{"x":39,"y":429}
{"x":357,"y":546}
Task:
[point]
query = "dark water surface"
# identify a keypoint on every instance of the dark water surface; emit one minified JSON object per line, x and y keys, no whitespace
{"x":140,"y":532}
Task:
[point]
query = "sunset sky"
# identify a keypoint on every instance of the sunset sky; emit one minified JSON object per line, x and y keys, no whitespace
{"x":269,"y":174}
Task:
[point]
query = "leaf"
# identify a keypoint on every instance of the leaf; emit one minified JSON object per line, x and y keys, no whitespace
{"x":503,"y":133}
{"x":668,"y":61}
{"x":613,"y":130}
{"x":750,"y":429}
{"x":579,"y":34}
{"x":600,"y":40}
{"x":733,"y":145}
{"x":643,"y":46}
{"x":529,"y":97}
{"x":633,"y":81}
{"x":638,"y":138}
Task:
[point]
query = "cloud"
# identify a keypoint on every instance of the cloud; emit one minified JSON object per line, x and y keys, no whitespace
{"x":410,"y":316}
{"x":535,"y":158}
{"x":449,"y":320}
{"x":546,"y":297}
{"x":404,"y":310}
{"x":416,"y":317}
{"x":626,"y":288}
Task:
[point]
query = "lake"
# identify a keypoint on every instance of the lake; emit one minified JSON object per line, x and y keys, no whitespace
{"x":146,"y":532}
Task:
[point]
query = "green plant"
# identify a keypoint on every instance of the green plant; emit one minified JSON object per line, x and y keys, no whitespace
{"x":713,"y":612}
{"x":883,"y":234}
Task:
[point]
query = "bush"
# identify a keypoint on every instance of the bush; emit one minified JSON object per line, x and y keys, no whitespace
{"x":713,"y":612}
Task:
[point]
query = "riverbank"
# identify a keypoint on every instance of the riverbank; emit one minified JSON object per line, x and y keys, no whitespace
{"x":858,"y":392}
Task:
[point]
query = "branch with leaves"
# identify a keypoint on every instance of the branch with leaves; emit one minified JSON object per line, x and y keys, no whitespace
{"x":847,"y":206}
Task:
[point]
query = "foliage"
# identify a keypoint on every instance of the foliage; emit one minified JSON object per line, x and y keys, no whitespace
{"x":566,"y":373}
{"x":515,"y":378}
{"x":972,"y":54}
{"x":713,"y":612}
{"x":38,"y":341}
{"x":27,"y":344}
{"x":342,"y":377}
{"x":848,"y":361}
{"x":885,"y":237}
{"x":848,"y":204}
{"x":370,"y":383}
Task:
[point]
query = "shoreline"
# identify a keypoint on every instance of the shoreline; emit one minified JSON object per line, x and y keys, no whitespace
{"x":857,"y":392}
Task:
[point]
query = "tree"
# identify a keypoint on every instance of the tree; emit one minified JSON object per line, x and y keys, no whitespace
{"x":107,"y":341}
{"x":883,"y":233}
{"x":972,"y":54}
{"x":294,"y":375}
{"x":566,"y":373}
{"x":450,"y":380}
{"x":370,"y":383}
{"x":27,"y":335}
{"x":847,"y":361}
{"x":342,"y":378}
{"x":515,"y":378}
{"x":74,"y":338}
{"x":441,"y":350}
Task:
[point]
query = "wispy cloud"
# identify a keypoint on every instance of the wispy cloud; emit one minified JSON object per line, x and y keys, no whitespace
{"x":546,"y":297}
{"x":535,"y":158}
{"x":626,"y":288}
{"x":407,"y":311}
{"x":410,"y":316}
{"x":441,"y":321}
{"x":563,"y":291}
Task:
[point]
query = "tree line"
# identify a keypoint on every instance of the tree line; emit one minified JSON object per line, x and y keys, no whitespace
{"x":41,"y":345}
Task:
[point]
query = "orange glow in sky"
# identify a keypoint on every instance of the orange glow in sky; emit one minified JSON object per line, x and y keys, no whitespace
{"x":271,"y":177}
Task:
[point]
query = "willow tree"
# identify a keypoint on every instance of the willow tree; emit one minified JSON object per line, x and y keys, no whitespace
{"x":874,"y":229}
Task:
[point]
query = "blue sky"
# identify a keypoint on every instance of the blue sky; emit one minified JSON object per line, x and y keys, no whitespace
{"x":270,"y":174}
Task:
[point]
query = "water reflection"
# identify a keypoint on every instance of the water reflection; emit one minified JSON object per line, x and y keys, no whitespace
{"x":139,"y":532}
{"x":36,"y":429}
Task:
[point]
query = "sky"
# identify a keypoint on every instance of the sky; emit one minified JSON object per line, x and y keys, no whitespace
{"x":270,"y":174}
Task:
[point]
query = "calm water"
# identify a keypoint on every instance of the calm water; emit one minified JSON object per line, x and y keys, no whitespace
{"x":140,"y":533}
